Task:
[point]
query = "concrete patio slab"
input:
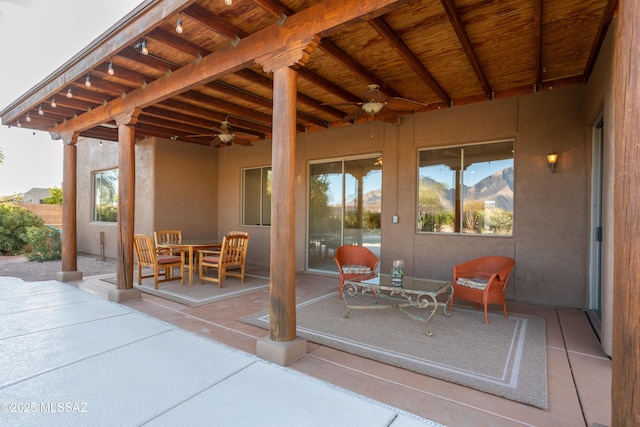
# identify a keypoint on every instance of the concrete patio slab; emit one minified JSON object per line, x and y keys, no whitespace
{"x":76,"y":359}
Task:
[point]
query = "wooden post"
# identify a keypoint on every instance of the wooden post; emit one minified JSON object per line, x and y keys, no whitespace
{"x":283,"y":346}
{"x":282,"y":263}
{"x":69,"y":226}
{"x":126,"y":198}
{"x":625,"y":393}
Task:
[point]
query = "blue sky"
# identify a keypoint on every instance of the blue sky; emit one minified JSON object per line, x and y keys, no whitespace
{"x":38,"y":37}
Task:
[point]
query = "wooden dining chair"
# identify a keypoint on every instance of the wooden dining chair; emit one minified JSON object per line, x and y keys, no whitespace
{"x":163,"y":237}
{"x":232,"y":253}
{"x":148,"y":256}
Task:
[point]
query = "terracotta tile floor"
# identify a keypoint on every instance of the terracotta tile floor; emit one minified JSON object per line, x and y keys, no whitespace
{"x":579,"y":374}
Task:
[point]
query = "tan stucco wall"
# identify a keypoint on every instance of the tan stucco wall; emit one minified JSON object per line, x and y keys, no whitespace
{"x":175,"y":188}
{"x":551,"y":209}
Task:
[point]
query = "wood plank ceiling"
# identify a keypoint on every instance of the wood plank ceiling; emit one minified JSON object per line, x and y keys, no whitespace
{"x":438,"y":53}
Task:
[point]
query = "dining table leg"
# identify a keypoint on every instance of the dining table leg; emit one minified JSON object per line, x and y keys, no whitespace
{"x":191,"y":265}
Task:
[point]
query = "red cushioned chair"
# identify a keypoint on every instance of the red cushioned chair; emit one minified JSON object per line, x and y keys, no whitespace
{"x":482,"y":280}
{"x":354,"y":261}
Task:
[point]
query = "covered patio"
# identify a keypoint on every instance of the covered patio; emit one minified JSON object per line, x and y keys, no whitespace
{"x":182,"y":96}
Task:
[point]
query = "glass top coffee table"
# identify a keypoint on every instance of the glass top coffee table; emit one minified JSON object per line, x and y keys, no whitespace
{"x":410,"y":292}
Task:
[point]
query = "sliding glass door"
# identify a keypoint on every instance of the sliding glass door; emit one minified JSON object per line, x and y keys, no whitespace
{"x":345,"y":199}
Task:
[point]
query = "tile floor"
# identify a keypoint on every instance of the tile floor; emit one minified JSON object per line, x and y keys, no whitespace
{"x":579,"y":373}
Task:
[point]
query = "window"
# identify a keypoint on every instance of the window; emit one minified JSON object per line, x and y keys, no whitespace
{"x":256,"y":196}
{"x":105,"y":196}
{"x":466,"y":189}
{"x":345,"y":203}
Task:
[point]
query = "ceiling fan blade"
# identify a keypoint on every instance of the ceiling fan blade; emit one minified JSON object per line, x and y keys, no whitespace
{"x":353,"y":116}
{"x":403,"y":104}
{"x":201,"y":135}
{"x":343,"y":104}
{"x":375,"y":95}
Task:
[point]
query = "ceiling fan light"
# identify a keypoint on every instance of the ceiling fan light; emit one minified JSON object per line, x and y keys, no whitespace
{"x":372,"y":107}
{"x":226,"y":137}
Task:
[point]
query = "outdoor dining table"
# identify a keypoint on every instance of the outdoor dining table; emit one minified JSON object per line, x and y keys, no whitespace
{"x":193,"y":245}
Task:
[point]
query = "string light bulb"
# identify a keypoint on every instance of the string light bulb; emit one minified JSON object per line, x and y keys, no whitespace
{"x":179,"y":24}
{"x":53,"y":102}
{"x":19,"y":124}
{"x":110,"y":70}
{"x":28,"y":117}
{"x":228,"y":2}
{"x":69,"y":94}
{"x":143,"y":47}
{"x":87,"y":81}
{"x":40,"y":110}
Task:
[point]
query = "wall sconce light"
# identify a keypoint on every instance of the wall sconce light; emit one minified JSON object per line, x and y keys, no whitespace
{"x":552,"y":159}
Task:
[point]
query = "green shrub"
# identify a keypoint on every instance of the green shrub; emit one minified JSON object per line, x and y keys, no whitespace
{"x":45,"y":244}
{"x":14,"y":222}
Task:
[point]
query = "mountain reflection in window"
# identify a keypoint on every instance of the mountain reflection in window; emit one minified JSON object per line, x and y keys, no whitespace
{"x":466,"y":189}
{"x":105,"y":191}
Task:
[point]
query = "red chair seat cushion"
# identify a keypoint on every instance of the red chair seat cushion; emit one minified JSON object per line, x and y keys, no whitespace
{"x":168,"y":259}
{"x":355,"y":269}
{"x":211,"y":259}
{"x":480,"y":284}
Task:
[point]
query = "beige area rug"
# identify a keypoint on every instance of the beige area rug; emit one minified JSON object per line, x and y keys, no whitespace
{"x":507,"y":357}
{"x":196,"y":294}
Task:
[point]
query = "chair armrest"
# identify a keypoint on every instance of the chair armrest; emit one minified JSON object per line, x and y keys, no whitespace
{"x":209,"y":251}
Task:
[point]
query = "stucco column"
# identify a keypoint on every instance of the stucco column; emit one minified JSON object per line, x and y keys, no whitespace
{"x":282,"y":346}
{"x":126,"y":208}
{"x":69,"y":271}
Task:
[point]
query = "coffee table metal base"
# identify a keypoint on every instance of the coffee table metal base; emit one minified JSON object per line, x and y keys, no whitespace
{"x":414,"y":298}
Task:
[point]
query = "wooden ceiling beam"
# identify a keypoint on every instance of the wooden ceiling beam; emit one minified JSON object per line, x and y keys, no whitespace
{"x":326,"y":85}
{"x":214,"y":22}
{"x":387,"y":33}
{"x":463,"y":37}
{"x":304,"y":25}
{"x":331,"y":49}
{"x":175,"y":42}
{"x":275,"y":8}
{"x":610,"y":11}
{"x":179,"y":106}
{"x":537,"y":50}
{"x":267,"y":83}
{"x":249,"y":97}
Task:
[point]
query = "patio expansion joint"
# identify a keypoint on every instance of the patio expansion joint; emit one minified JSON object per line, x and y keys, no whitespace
{"x":76,"y":361}
{"x":420,"y":391}
{"x":573,"y":377}
{"x":200,"y":319}
{"x":203,"y":390}
{"x":62,"y":326}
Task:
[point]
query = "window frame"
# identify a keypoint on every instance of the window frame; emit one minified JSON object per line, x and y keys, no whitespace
{"x":266,"y":173}
{"x":459,"y":216}
{"x":94,"y":201}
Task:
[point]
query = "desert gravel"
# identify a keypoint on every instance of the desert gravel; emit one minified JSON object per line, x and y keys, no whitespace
{"x":33,"y":271}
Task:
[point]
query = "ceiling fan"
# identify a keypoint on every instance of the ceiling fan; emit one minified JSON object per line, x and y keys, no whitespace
{"x":225,"y":137}
{"x":376,"y":103}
